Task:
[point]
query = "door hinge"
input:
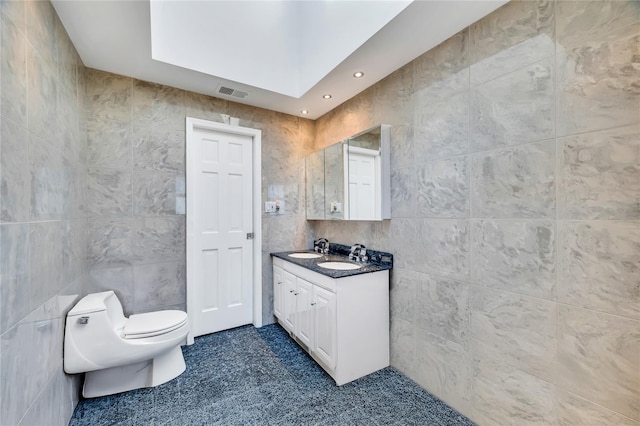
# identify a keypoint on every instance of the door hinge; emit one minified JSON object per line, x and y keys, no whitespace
{"x":249,"y":235}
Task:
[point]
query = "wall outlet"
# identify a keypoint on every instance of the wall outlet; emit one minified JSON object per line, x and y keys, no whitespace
{"x":269,"y":206}
{"x":336,"y":207}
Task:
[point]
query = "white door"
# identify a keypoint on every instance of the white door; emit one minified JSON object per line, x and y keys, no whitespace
{"x":325,"y":326}
{"x":363,"y":184}
{"x":220,"y":215}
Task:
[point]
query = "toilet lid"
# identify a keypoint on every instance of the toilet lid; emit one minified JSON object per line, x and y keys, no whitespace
{"x":153,"y":324}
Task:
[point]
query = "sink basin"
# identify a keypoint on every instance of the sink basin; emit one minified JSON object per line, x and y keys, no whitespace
{"x":340,"y":266}
{"x":305,"y":255}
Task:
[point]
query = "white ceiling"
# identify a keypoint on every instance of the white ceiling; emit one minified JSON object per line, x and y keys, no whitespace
{"x":284,"y":54}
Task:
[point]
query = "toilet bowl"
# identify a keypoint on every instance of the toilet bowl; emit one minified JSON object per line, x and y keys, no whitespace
{"x":118,"y":353}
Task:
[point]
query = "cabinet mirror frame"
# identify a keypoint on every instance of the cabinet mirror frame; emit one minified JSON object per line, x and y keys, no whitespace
{"x":351,"y":179}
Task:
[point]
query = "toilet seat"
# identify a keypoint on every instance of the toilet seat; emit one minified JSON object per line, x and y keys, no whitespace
{"x":153,"y":324}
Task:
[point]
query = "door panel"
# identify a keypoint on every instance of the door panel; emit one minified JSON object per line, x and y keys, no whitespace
{"x":289,"y":299}
{"x":209,"y":216}
{"x":304,"y":325}
{"x":325,"y":326}
{"x":210,"y":269}
{"x":235,"y":287}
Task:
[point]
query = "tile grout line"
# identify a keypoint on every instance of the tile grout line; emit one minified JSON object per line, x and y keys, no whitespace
{"x":556,"y":222}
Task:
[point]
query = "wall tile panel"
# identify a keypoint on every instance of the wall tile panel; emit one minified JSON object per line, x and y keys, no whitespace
{"x":519,"y":34}
{"x":599,"y":351}
{"x":516,"y":182}
{"x":444,"y":369}
{"x":517,"y":256}
{"x":108,"y":193}
{"x":598,"y":84}
{"x":443,"y":189}
{"x":13,"y":77}
{"x":109,"y":144}
{"x":442,"y":308}
{"x":517,"y":331}
{"x":441,"y":247}
{"x":598,"y":175}
{"x":599,"y":266}
{"x":502,"y":395}
{"x":158,"y":285}
{"x":515,"y":108}
{"x":573,"y":410}
{"x":14,"y":274}
{"x":15,"y":179}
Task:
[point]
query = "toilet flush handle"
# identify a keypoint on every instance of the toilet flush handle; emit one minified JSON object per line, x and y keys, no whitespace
{"x":83,"y":320}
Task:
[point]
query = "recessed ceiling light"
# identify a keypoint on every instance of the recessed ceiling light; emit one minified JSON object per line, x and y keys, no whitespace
{"x":358,"y":74}
{"x":304,"y":111}
{"x":327,"y":96}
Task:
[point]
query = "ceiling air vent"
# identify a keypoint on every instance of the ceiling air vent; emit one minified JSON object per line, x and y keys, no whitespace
{"x":228,"y":91}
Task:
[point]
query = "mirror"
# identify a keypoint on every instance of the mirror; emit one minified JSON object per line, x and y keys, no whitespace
{"x":350,"y":180}
{"x":314,"y":169}
{"x":334,"y":187}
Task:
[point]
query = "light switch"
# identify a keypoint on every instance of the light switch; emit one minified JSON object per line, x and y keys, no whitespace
{"x":269,"y":206}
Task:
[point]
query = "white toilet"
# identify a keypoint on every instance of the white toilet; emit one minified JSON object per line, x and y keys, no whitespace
{"x":118,"y":353}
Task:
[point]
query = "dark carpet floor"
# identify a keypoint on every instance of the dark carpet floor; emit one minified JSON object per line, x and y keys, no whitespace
{"x":249,"y":376}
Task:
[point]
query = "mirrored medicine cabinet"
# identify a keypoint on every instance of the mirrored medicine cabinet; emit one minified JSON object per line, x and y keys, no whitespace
{"x":350,"y":180}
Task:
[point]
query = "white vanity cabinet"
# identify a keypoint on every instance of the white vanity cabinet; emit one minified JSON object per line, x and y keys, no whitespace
{"x":343,"y":323}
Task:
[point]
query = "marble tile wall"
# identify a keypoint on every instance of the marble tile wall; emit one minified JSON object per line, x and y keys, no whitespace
{"x":42,"y":211}
{"x":515,"y":229}
{"x":135,"y":186}
{"x":515,"y":213}
{"x":93,"y":198}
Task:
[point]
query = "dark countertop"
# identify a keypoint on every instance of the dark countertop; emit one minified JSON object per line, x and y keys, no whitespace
{"x":386,"y":263}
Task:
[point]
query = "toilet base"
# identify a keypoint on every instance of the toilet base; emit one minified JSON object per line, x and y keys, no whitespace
{"x":145,"y":374}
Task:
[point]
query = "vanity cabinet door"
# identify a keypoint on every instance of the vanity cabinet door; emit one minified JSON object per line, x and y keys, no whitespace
{"x":289,"y":301}
{"x":278,"y":287}
{"x":305,"y":317}
{"x":325,"y":326}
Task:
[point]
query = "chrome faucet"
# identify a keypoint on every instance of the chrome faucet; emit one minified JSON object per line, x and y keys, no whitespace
{"x":321,"y":245}
{"x":358,"y":253}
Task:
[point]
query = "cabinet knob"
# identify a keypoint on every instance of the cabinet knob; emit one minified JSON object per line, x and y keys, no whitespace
{"x":279,"y":282}
{"x":290,"y":291}
{"x":313,"y":303}
{"x":296,"y":293}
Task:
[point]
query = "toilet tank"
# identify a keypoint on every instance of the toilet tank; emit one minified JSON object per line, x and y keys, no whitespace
{"x":93,"y":325}
{"x":97,"y":302}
